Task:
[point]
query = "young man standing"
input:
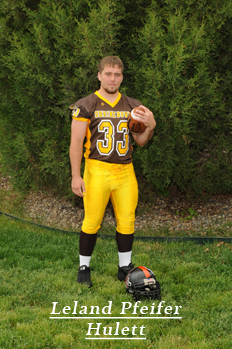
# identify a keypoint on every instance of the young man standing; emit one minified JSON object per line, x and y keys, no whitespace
{"x":109,"y":174}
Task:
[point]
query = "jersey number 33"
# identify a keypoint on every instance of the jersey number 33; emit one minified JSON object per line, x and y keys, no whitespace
{"x":111,"y":133}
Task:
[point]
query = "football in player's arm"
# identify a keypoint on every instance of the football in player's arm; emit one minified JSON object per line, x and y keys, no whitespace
{"x":148,"y":119}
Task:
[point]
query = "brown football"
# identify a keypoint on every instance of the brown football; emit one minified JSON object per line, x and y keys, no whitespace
{"x":135,"y":125}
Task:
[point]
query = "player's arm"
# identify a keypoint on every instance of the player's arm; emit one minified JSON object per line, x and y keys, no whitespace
{"x":148,"y":119}
{"x":78,"y":131}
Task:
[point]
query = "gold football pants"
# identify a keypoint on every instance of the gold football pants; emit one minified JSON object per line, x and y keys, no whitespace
{"x":104,"y":181}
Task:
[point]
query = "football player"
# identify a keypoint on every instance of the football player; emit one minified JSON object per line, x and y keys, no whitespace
{"x":109,"y":174}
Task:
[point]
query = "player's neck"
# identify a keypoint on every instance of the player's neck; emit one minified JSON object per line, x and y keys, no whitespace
{"x":111,"y":97}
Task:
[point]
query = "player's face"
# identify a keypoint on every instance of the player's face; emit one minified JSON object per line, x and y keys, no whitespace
{"x":111,"y":78}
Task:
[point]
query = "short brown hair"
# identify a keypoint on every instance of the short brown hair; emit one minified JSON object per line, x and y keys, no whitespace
{"x":110,"y":60}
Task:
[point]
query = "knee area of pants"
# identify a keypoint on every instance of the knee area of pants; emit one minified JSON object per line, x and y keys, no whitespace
{"x":125,"y":230}
{"x":89,"y":230}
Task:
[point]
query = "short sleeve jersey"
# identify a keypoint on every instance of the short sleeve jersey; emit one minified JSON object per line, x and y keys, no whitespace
{"x":107,"y":132}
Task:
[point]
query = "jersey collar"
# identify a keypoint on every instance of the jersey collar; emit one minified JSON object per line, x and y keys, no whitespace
{"x":105,"y":100}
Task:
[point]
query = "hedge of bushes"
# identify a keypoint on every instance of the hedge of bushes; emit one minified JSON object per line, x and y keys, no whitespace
{"x":178,"y":62}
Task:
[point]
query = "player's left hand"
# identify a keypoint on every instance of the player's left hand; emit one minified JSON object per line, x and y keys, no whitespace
{"x":146,"y":117}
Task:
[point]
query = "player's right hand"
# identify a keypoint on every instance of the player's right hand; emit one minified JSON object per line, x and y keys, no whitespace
{"x":78,"y":186}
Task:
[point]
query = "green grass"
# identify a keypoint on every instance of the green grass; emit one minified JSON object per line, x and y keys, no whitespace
{"x":38,"y":267}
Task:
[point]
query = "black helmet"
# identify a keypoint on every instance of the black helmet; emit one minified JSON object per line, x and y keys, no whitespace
{"x":141,"y":281}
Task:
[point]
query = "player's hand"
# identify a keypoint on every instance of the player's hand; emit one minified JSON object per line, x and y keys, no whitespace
{"x":78,"y":186}
{"x":146,"y":117}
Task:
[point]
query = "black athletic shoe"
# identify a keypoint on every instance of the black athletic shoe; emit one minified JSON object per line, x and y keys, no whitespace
{"x":83,"y":276}
{"x":123,"y":271}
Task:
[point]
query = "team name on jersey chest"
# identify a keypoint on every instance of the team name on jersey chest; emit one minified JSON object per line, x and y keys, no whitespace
{"x":111,"y":114}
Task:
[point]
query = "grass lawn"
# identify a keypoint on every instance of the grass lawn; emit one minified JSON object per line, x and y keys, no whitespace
{"x":39,"y":267}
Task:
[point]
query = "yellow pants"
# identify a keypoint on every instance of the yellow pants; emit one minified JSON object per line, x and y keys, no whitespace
{"x":104,"y":181}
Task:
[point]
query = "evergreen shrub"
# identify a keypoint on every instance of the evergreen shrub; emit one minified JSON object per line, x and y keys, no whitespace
{"x":177,"y":57}
{"x":49,"y":61}
{"x":184,"y":74}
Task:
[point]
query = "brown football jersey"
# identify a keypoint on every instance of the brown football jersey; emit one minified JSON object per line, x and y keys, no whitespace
{"x":107,"y":132}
